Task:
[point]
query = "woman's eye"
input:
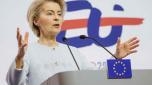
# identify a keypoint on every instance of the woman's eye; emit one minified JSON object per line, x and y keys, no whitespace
{"x":49,"y":14}
{"x":60,"y":14}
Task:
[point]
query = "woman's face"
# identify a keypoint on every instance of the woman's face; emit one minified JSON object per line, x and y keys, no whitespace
{"x":50,"y":19}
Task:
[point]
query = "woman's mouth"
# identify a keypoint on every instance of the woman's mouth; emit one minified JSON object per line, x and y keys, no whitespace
{"x":56,"y":25}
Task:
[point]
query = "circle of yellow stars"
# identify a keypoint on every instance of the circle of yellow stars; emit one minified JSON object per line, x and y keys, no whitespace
{"x":115,"y":70}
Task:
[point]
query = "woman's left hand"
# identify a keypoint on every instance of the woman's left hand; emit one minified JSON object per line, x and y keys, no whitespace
{"x":126,"y":48}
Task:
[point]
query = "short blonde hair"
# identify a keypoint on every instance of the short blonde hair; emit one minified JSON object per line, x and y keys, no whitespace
{"x":33,"y":13}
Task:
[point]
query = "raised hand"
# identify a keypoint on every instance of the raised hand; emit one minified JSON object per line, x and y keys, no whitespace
{"x":126,"y":48}
{"x":22,"y":44}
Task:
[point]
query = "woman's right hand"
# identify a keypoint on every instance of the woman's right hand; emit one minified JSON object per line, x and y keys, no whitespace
{"x":22,"y":45}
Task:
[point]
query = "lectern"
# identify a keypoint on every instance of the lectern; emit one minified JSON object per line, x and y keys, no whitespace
{"x":98,"y":77}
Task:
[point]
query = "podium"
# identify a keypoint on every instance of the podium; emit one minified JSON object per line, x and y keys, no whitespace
{"x":98,"y":77}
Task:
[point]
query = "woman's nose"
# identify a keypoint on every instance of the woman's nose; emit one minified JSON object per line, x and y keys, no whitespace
{"x":56,"y":17}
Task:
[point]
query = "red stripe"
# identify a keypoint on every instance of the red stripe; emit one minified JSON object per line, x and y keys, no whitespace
{"x":106,"y":21}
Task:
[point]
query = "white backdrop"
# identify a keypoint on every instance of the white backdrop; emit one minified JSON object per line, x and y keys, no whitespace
{"x":13,"y":15}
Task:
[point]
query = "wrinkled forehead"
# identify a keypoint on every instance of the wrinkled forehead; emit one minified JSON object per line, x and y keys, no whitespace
{"x":51,"y":6}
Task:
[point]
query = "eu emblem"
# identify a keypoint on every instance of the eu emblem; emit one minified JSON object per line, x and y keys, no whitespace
{"x":119,"y":68}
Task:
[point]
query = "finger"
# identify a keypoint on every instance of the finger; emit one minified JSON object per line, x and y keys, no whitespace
{"x":132,"y":39}
{"x":21,"y":51}
{"x":26,"y":38}
{"x":134,"y":46}
{"x":133,"y":51}
{"x":18,"y":33}
{"x":23,"y":47}
{"x":134,"y":42}
{"x":20,"y":41}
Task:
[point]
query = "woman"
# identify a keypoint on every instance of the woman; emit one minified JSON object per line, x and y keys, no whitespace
{"x":36,"y":62}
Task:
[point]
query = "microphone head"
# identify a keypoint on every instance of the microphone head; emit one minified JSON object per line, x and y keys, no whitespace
{"x":64,"y":39}
{"x":83,"y":37}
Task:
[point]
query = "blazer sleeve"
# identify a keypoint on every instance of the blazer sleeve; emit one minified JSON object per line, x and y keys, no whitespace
{"x":18,"y":76}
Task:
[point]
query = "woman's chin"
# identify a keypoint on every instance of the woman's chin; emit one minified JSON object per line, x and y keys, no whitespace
{"x":55,"y":33}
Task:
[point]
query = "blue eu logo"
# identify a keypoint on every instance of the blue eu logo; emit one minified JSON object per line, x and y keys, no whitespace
{"x":118,"y":69}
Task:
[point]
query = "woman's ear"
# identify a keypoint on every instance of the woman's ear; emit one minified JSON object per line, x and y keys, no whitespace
{"x":35,"y":21}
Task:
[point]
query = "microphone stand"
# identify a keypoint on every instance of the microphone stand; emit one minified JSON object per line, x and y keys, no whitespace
{"x":84,"y":37}
{"x":64,"y":40}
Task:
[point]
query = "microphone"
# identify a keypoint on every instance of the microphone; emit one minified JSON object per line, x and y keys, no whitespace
{"x":84,"y":37}
{"x":65,"y":40}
